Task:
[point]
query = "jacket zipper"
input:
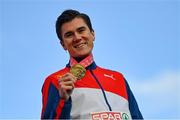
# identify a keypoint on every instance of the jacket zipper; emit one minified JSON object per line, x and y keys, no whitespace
{"x":104,"y":94}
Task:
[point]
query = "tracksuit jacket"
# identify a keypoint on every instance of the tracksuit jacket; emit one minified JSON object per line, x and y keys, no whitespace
{"x":101,"y":93}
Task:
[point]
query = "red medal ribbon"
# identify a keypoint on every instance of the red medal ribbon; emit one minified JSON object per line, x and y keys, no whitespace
{"x":85,"y":62}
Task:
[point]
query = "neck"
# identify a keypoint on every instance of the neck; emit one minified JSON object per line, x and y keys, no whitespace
{"x":79,"y":59}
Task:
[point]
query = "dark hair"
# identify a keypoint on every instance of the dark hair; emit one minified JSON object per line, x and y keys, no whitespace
{"x":69,"y":15}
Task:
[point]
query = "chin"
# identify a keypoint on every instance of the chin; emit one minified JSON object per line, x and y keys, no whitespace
{"x":81,"y":53}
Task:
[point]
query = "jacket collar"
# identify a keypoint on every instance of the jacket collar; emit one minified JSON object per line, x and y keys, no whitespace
{"x":92,"y":66}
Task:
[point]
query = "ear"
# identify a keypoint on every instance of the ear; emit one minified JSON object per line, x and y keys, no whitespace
{"x":62,"y":43}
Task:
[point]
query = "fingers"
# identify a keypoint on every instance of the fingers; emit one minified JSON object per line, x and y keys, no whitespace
{"x":68,"y":77}
{"x":66,"y":85}
{"x":67,"y":81}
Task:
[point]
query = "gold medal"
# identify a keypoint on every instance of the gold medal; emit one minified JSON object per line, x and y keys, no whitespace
{"x":78,"y":71}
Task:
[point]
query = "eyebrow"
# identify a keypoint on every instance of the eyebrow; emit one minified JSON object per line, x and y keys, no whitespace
{"x":80,"y":28}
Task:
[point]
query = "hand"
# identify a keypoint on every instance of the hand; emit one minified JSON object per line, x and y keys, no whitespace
{"x":66,"y":85}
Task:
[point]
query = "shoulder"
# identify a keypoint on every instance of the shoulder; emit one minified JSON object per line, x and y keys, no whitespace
{"x":53,"y":78}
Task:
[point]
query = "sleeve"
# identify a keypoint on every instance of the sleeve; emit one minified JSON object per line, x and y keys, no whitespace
{"x":53,"y":106}
{"x":133,"y":106}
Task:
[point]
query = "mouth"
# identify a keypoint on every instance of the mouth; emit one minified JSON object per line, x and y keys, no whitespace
{"x":80,"y":45}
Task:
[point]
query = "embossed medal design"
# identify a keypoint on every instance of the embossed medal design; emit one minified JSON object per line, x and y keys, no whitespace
{"x":78,"y":71}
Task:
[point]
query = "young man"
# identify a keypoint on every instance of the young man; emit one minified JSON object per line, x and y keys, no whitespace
{"x":83,"y":90}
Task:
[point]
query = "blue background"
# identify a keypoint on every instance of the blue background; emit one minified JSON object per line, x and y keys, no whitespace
{"x":139,"y":38}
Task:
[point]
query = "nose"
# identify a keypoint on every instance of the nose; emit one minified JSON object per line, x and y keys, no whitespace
{"x":77,"y":37}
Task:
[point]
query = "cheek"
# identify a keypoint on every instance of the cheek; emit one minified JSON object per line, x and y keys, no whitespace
{"x":67,"y":43}
{"x":91,"y":45}
{"x":91,"y":40}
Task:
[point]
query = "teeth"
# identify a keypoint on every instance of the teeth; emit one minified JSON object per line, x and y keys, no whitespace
{"x":80,"y":45}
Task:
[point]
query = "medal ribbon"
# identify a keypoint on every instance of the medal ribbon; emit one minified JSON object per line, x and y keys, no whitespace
{"x":85,"y":62}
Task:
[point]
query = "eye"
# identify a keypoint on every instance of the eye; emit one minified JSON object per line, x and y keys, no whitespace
{"x":68,"y":34}
{"x":81,"y":29}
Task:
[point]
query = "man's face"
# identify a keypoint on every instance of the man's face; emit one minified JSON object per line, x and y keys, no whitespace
{"x":77,"y":38}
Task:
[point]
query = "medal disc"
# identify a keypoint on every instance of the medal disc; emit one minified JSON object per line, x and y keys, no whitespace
{"x":78,"y":71}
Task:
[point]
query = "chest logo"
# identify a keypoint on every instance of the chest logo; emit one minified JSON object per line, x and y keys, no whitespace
{"x":109,"y":76}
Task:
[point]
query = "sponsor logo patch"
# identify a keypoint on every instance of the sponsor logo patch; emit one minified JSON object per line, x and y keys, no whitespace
{"x":110,"y":116}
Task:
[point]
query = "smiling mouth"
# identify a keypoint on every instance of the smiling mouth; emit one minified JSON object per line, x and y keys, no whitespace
{"x":80,"y":45}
